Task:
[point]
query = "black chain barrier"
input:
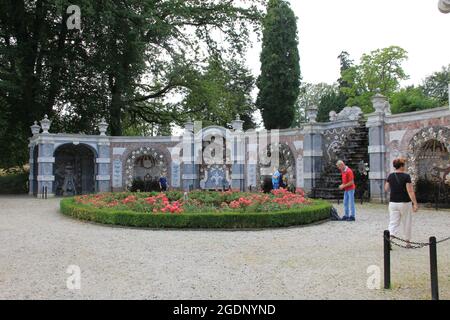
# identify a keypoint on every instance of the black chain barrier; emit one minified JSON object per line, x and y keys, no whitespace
{"x":388,"y":240}
{"x":411,"y":244}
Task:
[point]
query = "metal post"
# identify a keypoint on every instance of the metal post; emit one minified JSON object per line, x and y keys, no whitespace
{"x":433,"y":269}
{"x":387,"y":259}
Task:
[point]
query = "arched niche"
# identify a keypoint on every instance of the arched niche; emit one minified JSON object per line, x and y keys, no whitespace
{"x":74,"y":169}
{"x":286,"y":160}
{"x":146,"y":164}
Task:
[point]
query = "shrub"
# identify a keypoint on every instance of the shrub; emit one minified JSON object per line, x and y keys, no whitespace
{"x":317,"y":211}
{"x":267,"y":185}
{"x":14,"y":183}
{"x":200,"y":209}
{"x":139,"y":185}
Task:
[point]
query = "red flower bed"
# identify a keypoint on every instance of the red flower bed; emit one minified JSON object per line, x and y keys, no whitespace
{"x":197,"y":201}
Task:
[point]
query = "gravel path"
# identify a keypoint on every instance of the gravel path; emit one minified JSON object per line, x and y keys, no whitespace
{"x":323,"y":261}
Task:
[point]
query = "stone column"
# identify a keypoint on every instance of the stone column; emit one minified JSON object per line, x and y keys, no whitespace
{"x":35,"y":129}
{"x":237,"y":155}
{"x":312,"y":150}
{"x":312,"y":155}
{"x":251,"y":156}
{"x":46,"y":160}
{"x":103,"y":160}
{"x":175,"y":167}
{"x":377,"y":147}
{"x":31,"y":181}
{"x":190,"y":168}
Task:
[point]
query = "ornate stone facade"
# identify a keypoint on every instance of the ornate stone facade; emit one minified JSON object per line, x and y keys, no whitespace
{"x":113,"y":163}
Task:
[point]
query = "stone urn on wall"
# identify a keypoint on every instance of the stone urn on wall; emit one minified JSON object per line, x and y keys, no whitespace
{"x":311,"y":113}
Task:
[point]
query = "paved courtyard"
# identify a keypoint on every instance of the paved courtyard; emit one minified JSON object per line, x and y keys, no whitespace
{"x":322,"y":261}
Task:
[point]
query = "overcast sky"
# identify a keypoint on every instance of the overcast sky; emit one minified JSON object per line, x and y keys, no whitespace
{"x":326,"y":27}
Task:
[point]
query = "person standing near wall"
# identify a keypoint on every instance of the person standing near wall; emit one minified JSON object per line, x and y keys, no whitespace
{"x":276,"y":179}
{"x":163,"y":183}
{"x":283,"y":178}
{"x":348,"y":185}
{"x":402,"y":200}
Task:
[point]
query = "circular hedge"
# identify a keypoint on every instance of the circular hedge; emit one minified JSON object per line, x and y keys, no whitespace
{"x":214,"y":210}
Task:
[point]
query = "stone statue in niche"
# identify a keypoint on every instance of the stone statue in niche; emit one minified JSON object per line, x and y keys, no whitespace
{"x":147,"y":162}
{"x":69,"y":181}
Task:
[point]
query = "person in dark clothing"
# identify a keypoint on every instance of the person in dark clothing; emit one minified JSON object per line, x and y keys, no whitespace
{"x":402,"y":200}
{"x":283,"y":178}
{"x":163,"y":183}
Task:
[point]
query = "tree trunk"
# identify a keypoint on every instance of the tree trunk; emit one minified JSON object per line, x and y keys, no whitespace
{"x":115,"y":109}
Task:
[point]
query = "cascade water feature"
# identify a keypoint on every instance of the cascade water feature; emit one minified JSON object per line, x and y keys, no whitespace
{"x":354,"y":153}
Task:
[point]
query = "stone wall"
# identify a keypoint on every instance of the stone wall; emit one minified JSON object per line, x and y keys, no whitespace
{"x":304,"y":151}
{"x":392,"y":136}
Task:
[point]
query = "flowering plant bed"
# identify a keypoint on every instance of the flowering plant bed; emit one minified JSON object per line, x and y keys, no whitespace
{"x":198,"y":209}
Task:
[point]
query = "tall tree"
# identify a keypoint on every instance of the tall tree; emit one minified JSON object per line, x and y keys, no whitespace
{"x":33,"y":55}
{"x":280,"y":69}
{"x":333,"y":100}
{"x":412,"y":99}
{"x":223,"y":91}
{"x":345,"y":63}
{"x":128,"y":58}
{"x":381,"y":70}
{"x":310,"y":94}
{"x":436,"y":85}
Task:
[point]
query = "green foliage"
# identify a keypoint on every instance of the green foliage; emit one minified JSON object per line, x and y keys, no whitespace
{"x":14,"y":183}
{"x":128,"y":61}
{"x":436,"y":85}
{"x":331,"y":101}
{"x":345,"y":64}
{"x":327,"y":97}
{"x":310,"y":94}
{"x":319,"y":210}
{"x":223,"y":91}
{"x":380,"y":70}
{"x":411,"y":99}
{"x":280,"y":69}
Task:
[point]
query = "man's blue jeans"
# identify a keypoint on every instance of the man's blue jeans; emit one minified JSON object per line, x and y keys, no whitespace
{"x":349,"y":203}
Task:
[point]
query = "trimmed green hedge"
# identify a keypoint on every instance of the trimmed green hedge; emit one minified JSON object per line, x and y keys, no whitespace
{"x":318,"y":211}
{"x":15,"y":183}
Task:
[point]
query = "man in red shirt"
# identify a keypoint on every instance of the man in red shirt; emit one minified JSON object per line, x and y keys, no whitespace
{"x":348,"y":185}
